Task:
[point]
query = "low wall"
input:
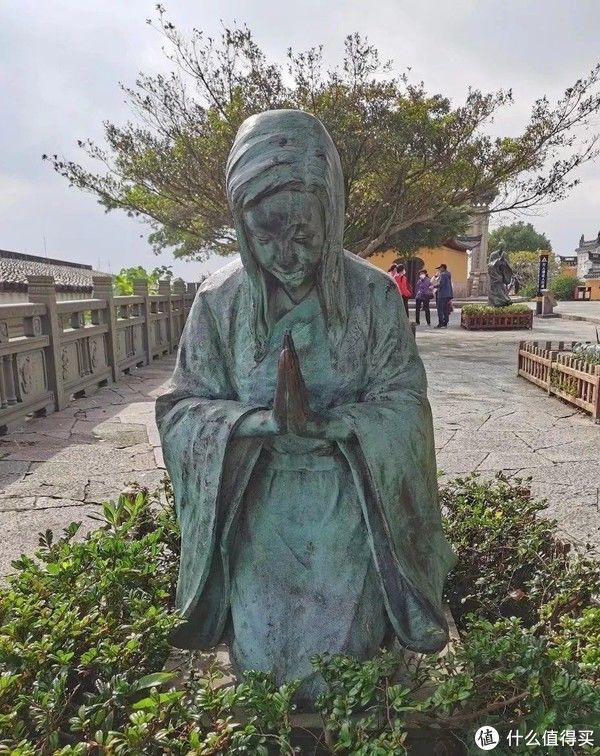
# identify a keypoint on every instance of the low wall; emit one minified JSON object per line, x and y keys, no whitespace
{"x":52,"y":351}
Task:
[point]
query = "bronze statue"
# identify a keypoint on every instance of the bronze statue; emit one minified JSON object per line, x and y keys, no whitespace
{"x":297,"y":432}
{"x":501,"y":277}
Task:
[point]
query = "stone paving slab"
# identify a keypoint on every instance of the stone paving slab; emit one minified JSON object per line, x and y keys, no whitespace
{"x":20,"y":528}
{"x":58,"y":469}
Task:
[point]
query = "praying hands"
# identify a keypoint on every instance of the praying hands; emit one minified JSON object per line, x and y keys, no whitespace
{"x":291,"y":411}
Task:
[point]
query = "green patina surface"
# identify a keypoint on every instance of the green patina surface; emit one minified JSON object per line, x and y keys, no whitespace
{"x":310,"y":522}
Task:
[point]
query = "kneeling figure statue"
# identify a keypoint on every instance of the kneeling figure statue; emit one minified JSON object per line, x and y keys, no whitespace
{"x":297,"y":432}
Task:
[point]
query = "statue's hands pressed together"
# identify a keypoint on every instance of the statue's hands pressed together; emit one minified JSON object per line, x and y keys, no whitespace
{"x":292,"y":403}
{"x":291,"y":411}
{"x":298,"y":414}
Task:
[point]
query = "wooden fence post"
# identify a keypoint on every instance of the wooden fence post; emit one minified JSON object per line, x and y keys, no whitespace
{"x":140,"y":289}
{"x":596,"y":411}
{"x":552,"y":355}
{"x":103,"y":289}
{"x":41,"y":289}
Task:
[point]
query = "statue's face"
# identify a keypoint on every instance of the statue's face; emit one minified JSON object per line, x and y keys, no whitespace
{"x":286,"y":232}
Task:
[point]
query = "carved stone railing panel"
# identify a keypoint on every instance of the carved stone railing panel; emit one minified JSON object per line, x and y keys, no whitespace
{"x":84,"y":324}
{"x":32,"y":375}
{"x":24,"y":384}
{"x":51,"y":351}
{"x":160,"y":324}
{"x":178,"y":317}
{"x":69,"y":360}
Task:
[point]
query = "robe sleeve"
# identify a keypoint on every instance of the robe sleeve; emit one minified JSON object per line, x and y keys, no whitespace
{"x":392,"y":457}
{"x":209,"y":469}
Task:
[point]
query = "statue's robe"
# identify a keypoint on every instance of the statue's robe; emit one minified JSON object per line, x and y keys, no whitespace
{"x":500,"y":277}
{"x":300,"y":546}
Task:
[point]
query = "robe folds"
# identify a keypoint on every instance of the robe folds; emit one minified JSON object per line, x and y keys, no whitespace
{"x":373,"y":380}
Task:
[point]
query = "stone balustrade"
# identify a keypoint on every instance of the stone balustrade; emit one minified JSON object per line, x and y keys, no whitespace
{"x":52,"y":352}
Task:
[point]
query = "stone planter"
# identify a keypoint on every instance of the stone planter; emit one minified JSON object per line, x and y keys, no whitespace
{"x":491,"y":321}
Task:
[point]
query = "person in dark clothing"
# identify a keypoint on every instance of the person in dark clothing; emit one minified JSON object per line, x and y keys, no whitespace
{"x":423,"y":296}
{"x":444,"y":295}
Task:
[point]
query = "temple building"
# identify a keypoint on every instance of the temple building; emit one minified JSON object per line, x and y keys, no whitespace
{"x":451,"y":252}
{"x":588,"y":264}
{"x":466,"y":257}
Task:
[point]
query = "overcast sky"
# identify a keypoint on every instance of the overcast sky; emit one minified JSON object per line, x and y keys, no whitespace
{"x":61,"y":61}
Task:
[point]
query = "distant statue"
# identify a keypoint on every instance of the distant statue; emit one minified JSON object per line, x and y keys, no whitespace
{"x":297,"y":432}
{"x":516,"y":284}
{"x":582,"y":240}
{"x":501,"y":277}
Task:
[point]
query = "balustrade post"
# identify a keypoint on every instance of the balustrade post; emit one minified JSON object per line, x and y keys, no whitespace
{"x":140,"y":289}
{"x":179,"y":295}
{"x":164,"y":290}
{"x":191,"y":289}
{"x":4,"y":338}
{"x":103,"y":289}
{"x":42,"y":290}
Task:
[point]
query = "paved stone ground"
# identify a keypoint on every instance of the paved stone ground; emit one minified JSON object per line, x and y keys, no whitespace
{"x":587,"y":310}
{"x":488,"y":419}
{"x":58,"y":469}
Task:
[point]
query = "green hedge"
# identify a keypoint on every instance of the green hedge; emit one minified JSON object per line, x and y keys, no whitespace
{"x":84,"y":626}
{"x":482,"y":309}
{"x":588,"y":353}
{"x":563,"y":286}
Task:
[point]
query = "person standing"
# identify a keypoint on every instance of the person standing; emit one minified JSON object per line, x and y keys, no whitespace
{"x":398,"y":273}
{"x":435,"y":282}
{"x":423,"y":296}
{"x":444,"y":295}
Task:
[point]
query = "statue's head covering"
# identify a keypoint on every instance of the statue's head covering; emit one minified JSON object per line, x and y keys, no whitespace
{"x":289,"y":150}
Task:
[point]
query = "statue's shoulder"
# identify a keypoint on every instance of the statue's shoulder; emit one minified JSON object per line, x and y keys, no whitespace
{"x":366,"y":279}
{"x":223,"y":283}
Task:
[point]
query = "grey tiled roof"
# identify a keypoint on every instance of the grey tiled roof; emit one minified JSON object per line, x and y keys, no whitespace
{"x":15,"y":267}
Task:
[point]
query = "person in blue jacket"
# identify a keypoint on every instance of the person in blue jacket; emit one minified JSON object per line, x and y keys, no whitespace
{"x":444,"y":295}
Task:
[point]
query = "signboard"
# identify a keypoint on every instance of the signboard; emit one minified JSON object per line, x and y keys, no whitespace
{"x":568,"y":261}
{"x":543,"y":272}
